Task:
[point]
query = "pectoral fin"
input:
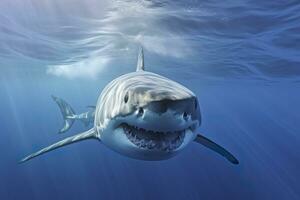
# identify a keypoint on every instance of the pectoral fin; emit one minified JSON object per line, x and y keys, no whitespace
{"x":76,"y":138}
{"x":217,"y":148}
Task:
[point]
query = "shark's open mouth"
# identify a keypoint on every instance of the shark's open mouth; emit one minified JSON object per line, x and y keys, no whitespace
{"x":154,"y":140}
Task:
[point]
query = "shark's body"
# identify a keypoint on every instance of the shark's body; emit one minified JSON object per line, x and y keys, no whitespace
{"x":70,"y":116}
{"x":145,"y":116}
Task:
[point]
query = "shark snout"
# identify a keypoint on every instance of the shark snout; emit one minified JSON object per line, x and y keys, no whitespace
{"x":185,"y":115}
{"x":184,"y":107}
{"x":168,"y":114}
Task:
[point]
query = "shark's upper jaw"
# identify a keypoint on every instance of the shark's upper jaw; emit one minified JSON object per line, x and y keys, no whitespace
{"x":157,"y":130}
{"x":154,"y":140}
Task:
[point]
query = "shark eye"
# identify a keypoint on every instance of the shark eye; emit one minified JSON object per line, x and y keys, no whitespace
{"x":126,"y":98}
{"x":185,"y":115}
{"x":141,"y":111}
{"x":196,"y":104}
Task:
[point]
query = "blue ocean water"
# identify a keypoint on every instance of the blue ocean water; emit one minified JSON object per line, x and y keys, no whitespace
{"x":241,"y":58}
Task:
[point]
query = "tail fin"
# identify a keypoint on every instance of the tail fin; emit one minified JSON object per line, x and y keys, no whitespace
{"x":67,"y":113}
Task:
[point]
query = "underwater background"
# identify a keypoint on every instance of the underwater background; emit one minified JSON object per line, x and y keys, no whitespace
{"x":241,"y":58}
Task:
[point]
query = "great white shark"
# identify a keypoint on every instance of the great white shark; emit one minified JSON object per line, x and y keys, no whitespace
{"x":145,"y":116}
{"x":70,"y":116}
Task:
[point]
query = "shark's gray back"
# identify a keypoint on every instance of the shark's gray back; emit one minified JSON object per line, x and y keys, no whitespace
{"x":141,"y":87}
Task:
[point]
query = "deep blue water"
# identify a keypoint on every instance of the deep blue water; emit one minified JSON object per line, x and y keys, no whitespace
{"x":242,"y":59}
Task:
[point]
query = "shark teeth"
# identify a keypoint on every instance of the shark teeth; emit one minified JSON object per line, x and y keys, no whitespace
{"x":154,"y":140}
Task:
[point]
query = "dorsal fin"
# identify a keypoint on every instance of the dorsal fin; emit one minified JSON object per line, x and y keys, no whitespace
{"x":140,"y":63}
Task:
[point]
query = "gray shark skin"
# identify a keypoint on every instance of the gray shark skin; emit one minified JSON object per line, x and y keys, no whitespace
{"x":145,"y":116}
{"x":69,"y":115}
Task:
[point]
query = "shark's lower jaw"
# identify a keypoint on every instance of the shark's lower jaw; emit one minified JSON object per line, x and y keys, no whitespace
{"x":154,"y":140}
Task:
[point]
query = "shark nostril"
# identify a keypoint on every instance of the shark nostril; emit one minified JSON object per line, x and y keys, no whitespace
{"x":141,"y":111}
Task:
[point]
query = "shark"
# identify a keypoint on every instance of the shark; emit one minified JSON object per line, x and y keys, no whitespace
{"x":70,"y":116}
{"x":145,"y":116}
